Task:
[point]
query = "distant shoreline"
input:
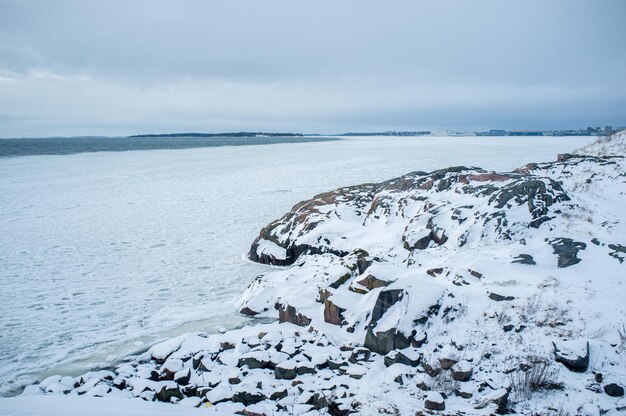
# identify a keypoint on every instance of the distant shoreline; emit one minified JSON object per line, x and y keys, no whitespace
{"x":10,"y":148}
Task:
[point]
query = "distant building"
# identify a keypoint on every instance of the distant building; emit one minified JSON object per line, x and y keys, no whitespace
{"x":608,"y":130}
{"x":493,"y":132}
{"x":526,"y":133}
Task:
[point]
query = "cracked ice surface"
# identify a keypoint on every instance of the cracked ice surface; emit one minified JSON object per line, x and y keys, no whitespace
{"x":102,"y":254}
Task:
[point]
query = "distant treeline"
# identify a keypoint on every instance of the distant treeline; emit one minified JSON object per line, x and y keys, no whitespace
{"x":238,"y":134}
{"x":391,"y":133}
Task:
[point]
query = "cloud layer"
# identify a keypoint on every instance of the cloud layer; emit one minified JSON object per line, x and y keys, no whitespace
{"x":124,"y":67}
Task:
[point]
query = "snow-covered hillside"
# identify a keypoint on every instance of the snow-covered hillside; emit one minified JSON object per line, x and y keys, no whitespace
{"x":459,"y":291}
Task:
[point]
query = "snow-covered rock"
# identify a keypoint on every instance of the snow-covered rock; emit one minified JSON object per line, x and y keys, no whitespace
{"x":458,"y":289}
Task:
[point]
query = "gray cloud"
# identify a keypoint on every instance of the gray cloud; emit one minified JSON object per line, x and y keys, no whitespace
{"x":121,"y":67}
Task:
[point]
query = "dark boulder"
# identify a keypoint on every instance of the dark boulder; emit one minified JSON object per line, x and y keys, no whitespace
{"x":500,"y":298}
{"x":461,"y":371}
{"x":333,"y":314}
{"x":247,"y":398}
{"x":524,"y":259}
{"x":434,"y":401}
{"x":619,"y":252}
{"x":498,"y":397}
{"x":572,"y":356}
{"x":168,"y":392}
{"x":384,"y":341}
{"x":279,"y":394}
{"x":614,"y":390}
{"x":359,"y":354}
{"x":287,"y":313}
{"x":372,"y":282}
{"x":567,"y":251}
{"x":182,"y":378}
{"x":409,"y":357}
{"x":285,"y":372}
{"x":248,"y":312}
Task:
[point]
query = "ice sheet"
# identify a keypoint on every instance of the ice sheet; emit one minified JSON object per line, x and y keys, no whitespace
{"x":101,"y":254}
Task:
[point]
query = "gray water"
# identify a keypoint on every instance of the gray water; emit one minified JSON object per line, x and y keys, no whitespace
{"x":71,"y":145}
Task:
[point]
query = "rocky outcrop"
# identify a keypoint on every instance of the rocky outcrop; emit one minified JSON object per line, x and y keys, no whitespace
{"x":451,"y":284}
{"x":304,"y":229}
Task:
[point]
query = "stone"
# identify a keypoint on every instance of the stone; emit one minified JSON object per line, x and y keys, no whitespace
{"x":247,"y":311}
{"x":168,"y":392}
{"x":319,"y":401}
{"x":619,"y":252}
{"x":252,"y":362}
{"x":438,"y":235}
{"x":434,"y":272}
{"x":419,"y":339}
{"x":247,"y":398}
{"x":335,"y":364}
{"x":447,"y":362}
{"x":359,"y":354}
{"x":385,"y":341}
{"x":567,"y":251}
{"x":285,"y":372}
{"x":476,"y":274}
{"x":572,"y":354}
{"x":371,"y":282}
{"x":614,"y":390}
{"x":409,"y":356}
{"x":252,"y":411}
{"x":524,"y":259}
{"x":332,"y":313}
{"x":279,"y":394}
{"x":305,"y":368}
{"x":500,"y":298}
{"x":323,"y":294}
{"x":498,"y":397}
{"x":340,"y":281}
{"x":434,"y":401}
{"x":421,"y":243}
{"x":385,"y":300}
{"x":430,"y":369}
{"x":465,"y":392}
{"x":287,"y":313}
{"x":225,"y":345}
{"x":182,"y":377}
{"x":461,"y":371}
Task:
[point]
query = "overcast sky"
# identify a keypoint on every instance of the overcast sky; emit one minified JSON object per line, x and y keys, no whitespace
{"x":125,"y":67}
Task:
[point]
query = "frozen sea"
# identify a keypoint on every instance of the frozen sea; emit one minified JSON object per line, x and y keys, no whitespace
{"x":102,"y":254}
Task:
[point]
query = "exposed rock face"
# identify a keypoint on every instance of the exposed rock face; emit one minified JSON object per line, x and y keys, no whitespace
{"x":332,"y":313}
{"x":386,"y":299}
{"x":287,"y":313}
{"x":304,"y":230}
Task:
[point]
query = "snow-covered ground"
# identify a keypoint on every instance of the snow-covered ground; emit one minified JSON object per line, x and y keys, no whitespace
{"x":103,"y":254}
